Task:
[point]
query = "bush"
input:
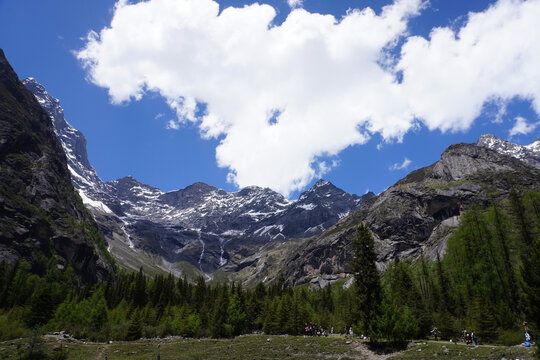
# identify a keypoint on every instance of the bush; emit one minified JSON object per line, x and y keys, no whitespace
{"x":11,"y":325}
{"x":511,"y":337}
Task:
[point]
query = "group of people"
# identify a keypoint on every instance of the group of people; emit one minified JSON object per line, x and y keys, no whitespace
{"x":468,"y":337}
{"x":315,"y":330}
{"x":312,"y":329}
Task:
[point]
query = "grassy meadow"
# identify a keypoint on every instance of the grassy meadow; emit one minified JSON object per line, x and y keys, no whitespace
{"x":251,"y":347}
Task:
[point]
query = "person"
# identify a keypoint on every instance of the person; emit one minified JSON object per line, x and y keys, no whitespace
{"x":463,"y":334}
{"x":435,"y":332}
{"x":351,"y":332}
{"x":469,"y":339}
{"x":474,"y":339}
{"x":528,"y":335}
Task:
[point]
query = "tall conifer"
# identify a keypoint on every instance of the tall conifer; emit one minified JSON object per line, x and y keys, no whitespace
{"x":368,"y":286}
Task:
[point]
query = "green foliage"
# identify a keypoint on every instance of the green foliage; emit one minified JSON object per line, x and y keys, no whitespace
{"x":487,"y":282}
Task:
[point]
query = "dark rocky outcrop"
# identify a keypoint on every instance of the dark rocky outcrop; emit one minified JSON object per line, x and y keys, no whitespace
{"x":40,"y":213}
{"x":418,"y":212}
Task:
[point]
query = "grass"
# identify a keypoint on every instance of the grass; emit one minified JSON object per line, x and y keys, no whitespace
{"x":257,"y":347}
{"x":448,"y":350}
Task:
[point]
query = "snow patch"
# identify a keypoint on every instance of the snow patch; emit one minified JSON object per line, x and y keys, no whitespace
{"x":307,"y":207}
{"x":95,"y":204}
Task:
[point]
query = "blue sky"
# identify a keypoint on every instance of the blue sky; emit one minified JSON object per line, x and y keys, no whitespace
{"x":129,"y":136}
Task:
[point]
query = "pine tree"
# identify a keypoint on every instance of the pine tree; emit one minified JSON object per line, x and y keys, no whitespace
{"x":219,"y":316}
{"x":501,"y":232}
{"x":236,"y":314}
{"x":529,"y":227}
{"x":41,"y":307}
{"x":138,"y":293}
{"x":368,"y":287}
{"x":134,"y":330}
{"x":98,"y":315}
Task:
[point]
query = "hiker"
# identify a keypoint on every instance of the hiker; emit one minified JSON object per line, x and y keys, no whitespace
{"x":528,"y":335}
{"x":463,"y":334}
{"x":469,"y":339}
{"x":474,"y":339}
{"x":351,"y":333}
{"x":435,"y":333}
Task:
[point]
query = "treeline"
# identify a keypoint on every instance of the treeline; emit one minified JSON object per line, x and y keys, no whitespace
{"x":488,"y":282}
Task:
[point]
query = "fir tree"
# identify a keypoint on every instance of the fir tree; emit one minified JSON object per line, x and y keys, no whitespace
{"x":134,"y":330}
{"x":368,"y":287}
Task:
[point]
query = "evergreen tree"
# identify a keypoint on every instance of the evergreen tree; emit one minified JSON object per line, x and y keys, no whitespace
{"x":41,"y":306}
{"x":368,"y":286}
{"x":134,"y":330}
{"x":219,"y":317}
{"x":500,"y":224}
{"x":138,"y":293}
{"x":98,"y":314}
{"x":236,"y":314}
{"x":527,"y":214}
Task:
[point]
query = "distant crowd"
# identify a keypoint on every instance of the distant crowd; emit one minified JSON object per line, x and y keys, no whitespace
{"x":312,"y":329}
{"x":470,"y":338}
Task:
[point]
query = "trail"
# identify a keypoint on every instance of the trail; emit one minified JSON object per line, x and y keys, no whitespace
{"x":102,"y":352}
{"x":370,"y":355}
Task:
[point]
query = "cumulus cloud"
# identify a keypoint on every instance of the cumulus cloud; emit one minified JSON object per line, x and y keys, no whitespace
{"x":403,"y":166}
{"x":282,"y":98}
{"x":295,"y":3}
{"x":319,"y":75}
{"x":521,"y":126}
{"x":492,"y":58}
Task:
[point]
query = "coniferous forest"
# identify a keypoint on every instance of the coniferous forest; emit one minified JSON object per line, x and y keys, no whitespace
{"x":488,"y":281}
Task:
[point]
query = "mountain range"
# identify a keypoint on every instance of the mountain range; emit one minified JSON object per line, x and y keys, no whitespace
{"x":254,"y":234}
{"x":196,"y":230}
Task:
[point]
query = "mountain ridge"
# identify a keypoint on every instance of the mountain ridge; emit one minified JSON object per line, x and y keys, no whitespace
{"x":417,"y":214}
{"x":200,"y":225}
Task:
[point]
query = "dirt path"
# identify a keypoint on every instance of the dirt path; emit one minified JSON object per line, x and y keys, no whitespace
{"x":102,"y":352}
{"x":370,"y":355}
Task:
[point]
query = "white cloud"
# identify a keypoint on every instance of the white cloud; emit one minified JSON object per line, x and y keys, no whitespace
{"x":493,"y":57}
{"x":322,"y":76}
{"x":172,"y":125}
{"x":403,"y":166}
{"x":159,"y":116}
{"x":295,"y":3}
{"x":522,"y":127}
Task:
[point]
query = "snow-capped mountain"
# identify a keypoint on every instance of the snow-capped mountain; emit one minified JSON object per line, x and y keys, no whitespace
{"x":83,"y":175}
{"x":530,"y":154}
{"x":200,"y":225}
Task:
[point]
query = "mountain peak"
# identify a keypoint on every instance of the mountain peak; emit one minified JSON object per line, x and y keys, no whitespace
{"x":529,"y":154}
{"x":322,"y":182}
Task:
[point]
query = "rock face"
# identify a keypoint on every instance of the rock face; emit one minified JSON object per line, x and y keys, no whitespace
{"x":40,"y":213}
{"x":199,"y":229}
{"x":418,"y":212}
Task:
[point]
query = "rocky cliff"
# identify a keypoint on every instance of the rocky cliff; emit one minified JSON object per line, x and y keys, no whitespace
{"x":40,"y":213}
{"x":418,"y":213}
